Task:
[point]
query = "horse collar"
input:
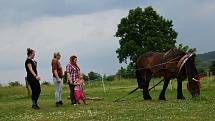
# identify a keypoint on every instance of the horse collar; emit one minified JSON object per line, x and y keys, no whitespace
{"x":182,"y":61}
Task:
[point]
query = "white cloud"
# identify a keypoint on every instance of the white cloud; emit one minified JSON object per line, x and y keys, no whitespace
{"x":90,"y":37}
{"x":192,"y":19}
{"x":67,"y":29}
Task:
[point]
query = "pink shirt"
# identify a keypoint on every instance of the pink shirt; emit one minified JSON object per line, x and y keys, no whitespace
{"x":78,"y":84}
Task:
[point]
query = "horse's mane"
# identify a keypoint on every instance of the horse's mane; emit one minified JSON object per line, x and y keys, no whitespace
{"x":149,"y":54}
{"x":174,"y":52}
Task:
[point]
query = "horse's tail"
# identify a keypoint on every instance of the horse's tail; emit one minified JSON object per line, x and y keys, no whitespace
{"x":138,"y":76}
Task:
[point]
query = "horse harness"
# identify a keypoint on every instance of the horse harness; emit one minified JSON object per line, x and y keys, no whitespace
{"x":180,"y":63}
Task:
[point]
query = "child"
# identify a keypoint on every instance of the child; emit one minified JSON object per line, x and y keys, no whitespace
{"x":79,"y":93}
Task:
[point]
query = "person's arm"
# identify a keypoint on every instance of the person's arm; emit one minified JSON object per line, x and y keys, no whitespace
{"x":32,"y":71}
{"x":54,"y":67}
{"x":68,"y":74}
{"x":68,"y":77}
{"x":56,"y":75}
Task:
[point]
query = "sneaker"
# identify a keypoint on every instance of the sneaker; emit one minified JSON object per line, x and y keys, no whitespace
{"x":36,"y":107}
{"x":61,"y":103}
{"x":57,"y":104}
{"x":74,"y":104}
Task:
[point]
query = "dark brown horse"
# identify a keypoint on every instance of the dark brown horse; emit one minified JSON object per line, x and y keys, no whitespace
{"x":170,"y":65}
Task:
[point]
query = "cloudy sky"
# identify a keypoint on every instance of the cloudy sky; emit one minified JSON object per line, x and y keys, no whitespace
{"x":86,"y":28}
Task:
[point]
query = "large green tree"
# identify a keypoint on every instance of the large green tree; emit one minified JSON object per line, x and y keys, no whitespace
{"x":186,"y":49}
{"x":94,"y":76}
{"x":142,"y":31}
{"x":128,"y":72}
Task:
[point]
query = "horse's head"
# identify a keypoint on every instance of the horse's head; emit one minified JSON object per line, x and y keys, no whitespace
{"x":194,"y":86}
{"x":193,"y":77}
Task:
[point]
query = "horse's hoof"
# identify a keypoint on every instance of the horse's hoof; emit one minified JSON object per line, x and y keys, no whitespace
{"x":181,"y":98}
{"x":147,"y":98}
{"x":162,"y":98}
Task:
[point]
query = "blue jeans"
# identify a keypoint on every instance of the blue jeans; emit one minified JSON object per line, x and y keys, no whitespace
{"x":58,"y":89}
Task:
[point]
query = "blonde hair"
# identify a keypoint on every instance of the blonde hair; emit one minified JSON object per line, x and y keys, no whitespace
{"x":81,"y":76}
{"x":57,"y":54}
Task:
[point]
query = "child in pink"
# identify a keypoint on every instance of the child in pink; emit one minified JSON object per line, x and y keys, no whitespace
{"x":78,"y":90}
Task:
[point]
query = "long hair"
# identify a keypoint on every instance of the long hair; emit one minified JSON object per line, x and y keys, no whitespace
{"x":72,"y":61}
{"x":29,"y":51}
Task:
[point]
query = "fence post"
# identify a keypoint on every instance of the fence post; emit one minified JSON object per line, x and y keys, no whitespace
{"x":103,"y":84}
{"x":209,"y":79}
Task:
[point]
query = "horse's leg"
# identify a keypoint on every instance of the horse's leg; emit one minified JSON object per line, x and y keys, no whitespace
{"x":179,"y":90}
{"x":146,"y":77}
{"x":162,"y":94}
{"x":139,"y":78}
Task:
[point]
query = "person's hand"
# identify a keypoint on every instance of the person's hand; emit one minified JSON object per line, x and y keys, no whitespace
{"x":71,"y":82}
{"x":38,"y":78}
{"x":59,"y":80}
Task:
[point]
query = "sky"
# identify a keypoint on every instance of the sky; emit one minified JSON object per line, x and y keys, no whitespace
{"x":86,"y":28}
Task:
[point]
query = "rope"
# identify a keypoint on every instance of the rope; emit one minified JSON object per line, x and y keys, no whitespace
{"x":117,"y":100}
{"x":170,"y":61}
{"x":156,"y":84}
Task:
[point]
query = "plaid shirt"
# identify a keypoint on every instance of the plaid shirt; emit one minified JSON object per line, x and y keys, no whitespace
{"x":74,"y":72}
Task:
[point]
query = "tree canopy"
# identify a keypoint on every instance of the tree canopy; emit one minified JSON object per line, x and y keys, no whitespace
{"x":94,"y":76}
{"x":142,"y":31}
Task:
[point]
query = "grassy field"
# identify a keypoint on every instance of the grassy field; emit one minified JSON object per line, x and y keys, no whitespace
{"x":16,"y":106}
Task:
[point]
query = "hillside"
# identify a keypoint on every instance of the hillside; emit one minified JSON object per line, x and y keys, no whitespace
{"x":206,"y":58}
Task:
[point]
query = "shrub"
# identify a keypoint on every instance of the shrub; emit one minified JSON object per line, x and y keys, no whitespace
{"x":110,"y":78}
{"x":65,"y":77}
{"x":13,"y":84}
{"x":46,"y":83}
{"x":202,"y":71}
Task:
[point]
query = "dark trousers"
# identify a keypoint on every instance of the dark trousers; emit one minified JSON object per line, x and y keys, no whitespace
{"x":35,"y":88}
{"x":72,"y":96}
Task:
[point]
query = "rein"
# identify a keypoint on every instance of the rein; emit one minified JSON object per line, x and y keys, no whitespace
{"x":170,"y":61}
{"x":119,"y":99}
{"x":180,"y":63}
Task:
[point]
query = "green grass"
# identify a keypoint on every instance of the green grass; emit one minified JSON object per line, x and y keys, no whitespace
{"x":16,"y":106}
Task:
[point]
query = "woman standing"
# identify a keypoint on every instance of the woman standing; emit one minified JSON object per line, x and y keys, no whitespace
{"x":57,"y":78}
{"x":73,"y":72}
{"x":32,"y":77}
